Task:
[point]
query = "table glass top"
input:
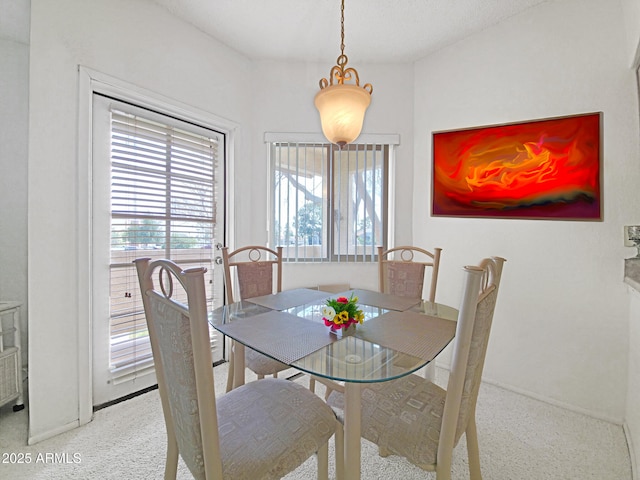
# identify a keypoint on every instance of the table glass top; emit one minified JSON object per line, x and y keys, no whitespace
{"x":298,"y":336}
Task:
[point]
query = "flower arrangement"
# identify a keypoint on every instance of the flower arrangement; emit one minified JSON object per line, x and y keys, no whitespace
{"x":342,"y":312}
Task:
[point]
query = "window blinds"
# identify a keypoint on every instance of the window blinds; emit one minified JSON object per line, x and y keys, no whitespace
{"x":329,"y":204}
{"x":162,"y":206}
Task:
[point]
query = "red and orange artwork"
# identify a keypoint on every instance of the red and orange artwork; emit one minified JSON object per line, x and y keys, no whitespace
{"x":537,"y":169}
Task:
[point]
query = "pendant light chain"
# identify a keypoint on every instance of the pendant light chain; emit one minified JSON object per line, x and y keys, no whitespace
{"x":341,"y":101}
{"x":342,"y":28}
{"x":340,"y":73}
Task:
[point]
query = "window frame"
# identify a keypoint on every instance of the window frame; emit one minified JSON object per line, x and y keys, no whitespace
{"x":386,"y":144}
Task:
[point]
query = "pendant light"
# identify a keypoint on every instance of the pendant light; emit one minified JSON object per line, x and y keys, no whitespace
{"x":342,"y":105}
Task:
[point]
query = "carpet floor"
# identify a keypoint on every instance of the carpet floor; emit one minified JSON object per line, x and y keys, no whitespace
{"x":520,"y":439}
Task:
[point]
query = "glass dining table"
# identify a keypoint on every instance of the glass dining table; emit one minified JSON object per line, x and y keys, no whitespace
{"x":399,"y":336}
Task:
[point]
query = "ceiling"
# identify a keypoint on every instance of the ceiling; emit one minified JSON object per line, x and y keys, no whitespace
{"x":376,"y":31}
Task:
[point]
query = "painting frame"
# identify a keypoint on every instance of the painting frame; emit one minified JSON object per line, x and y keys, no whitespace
{"x":543,"y":169}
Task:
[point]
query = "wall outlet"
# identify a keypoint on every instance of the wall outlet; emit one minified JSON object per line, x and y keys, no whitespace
{"x":631,"y":233}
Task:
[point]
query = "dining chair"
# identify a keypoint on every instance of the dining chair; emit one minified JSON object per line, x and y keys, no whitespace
{"x":255,"y":268}
{"x":401,"y":271}
{"x":263,"y":429}
{"x":333,"y":287}
{"x":415,"y":418}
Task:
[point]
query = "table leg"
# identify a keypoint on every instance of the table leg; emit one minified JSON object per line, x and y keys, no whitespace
{"x":238,"y":365}
{"x":430,"y":371}
{"x":352,"y":415}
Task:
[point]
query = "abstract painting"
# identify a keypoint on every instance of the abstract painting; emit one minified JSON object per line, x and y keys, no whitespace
{"x":546,"y":169}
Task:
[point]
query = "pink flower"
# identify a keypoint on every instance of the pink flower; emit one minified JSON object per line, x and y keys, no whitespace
{"x":342,"y":300}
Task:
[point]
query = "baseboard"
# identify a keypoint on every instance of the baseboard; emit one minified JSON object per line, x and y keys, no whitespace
{"x":542,"y":398}
{"x":33,"y":439}
{"x":572,"y":408}
{"x":556,"y":403}
{"x":635,"y":474}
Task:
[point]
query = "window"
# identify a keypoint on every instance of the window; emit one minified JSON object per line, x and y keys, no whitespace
{"x":327,"y":203}
{"x":163,"y":190}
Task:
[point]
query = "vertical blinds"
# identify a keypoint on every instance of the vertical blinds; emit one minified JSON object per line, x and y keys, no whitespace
{"x":162,"y":206}
{"x":360,"y":201}
{"x":329,"y":204}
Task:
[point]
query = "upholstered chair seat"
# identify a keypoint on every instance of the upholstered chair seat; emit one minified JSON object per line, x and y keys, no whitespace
{"x":406,"y":408}
{"x":269,"y":428}
{"x":262,"y":365}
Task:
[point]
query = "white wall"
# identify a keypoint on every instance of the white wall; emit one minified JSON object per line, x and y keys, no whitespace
{"x":14,"y":121}
{"x":632,"y":419}
{"x":284,"y":103}
{"x":561,"y":328}
{"x":136,"y":42}
{"x":631,"y":10}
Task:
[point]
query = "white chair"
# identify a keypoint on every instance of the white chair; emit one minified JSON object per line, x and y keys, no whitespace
{"x":416,"y":419}
{"x":255,"y":267}
{"x":263,"y":429}
{"x":401,"y":271}
{"x":334,"y":287}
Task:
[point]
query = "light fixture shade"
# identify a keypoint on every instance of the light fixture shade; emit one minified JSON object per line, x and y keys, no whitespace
{"x":342,"y":108}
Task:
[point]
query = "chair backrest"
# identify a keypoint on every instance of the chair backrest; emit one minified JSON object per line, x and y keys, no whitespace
{"x":469,"y":349}
{"x":254,"y":270}
{"x":334,"y":287}
{"x":179,"y":337}
{"x":402,"y":270}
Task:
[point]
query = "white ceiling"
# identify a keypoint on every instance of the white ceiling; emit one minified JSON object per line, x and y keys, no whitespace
{"x":376,"y":31}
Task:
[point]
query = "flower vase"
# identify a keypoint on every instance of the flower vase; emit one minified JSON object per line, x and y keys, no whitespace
{"x":344,"y":332}
{"x":350,"y":330}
